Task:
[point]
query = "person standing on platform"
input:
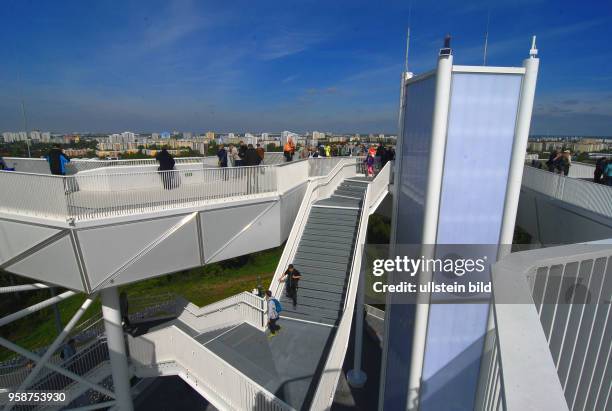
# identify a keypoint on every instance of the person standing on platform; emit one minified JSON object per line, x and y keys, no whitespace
{"x":260,"y":152}
{"x":608,"y":172}
{"x":289,"y":150}
{"x":273,"y":314}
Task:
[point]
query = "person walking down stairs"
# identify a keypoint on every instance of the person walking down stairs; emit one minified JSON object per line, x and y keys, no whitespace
{"x":291,"y":277}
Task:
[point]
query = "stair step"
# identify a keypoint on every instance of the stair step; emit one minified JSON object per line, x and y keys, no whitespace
{"x":304,"y":255}
{"x":349,"y":193}
{"x":334,"y":220}
{"x":313,"y":241}
{"x":331,"y":231}
{"x":359,"y":190}
{"x":330,"y":296}
{"x":327,"y":212}
{"x":312,"y":318}
{"x":321,"y":271}
{"x":335,"y":227}
{"x":337,"y":280}
{"x":323,"y":283}
{"x":324,"y":250}
{"x":304,"y":262}
{"x":313,"y":312}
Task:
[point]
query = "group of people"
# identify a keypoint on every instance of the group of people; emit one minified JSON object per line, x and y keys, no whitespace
{"x":603,"y":171}
{"x":291,"y":277}
{"x":243,"y":155}
{"x":559,"y":162}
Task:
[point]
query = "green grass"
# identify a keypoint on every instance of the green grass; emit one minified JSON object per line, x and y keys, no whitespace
{"x":202,"y":286}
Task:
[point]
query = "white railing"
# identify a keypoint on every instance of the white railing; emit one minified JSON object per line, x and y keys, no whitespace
{"x":239,"y":308}
{"x":552,"y":341}
{"x":380,"y":184}
{"x":119,"y":191}
{"x":321,"y":166}
{"x":222,"y":384}
{"x":86,"y":358}
{"x":576,"y":170}
{"x":291,"y":174}
{"x":99,"y":196}
{"x":586,"y":194}
{"x":41,"y":166}
{"x":34,"y":195}
{"x":324,"y":395}
{"x":28,"y":165}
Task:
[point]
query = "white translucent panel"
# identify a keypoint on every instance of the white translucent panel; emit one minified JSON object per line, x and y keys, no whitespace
{"x":480,"y":135}
{"x":478,"y":149}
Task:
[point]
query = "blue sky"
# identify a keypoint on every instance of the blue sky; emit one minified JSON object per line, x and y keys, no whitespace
{"x":268,"y":66}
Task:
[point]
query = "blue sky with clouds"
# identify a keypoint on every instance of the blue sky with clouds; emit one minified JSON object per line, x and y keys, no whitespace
{"x":298,"y":65}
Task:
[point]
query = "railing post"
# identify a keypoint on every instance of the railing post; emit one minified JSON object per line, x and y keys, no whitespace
{"x":357,"y":377}
{"x":116,"y":348}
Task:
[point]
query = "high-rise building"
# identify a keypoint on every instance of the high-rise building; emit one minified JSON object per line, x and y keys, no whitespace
{"x":286,"y":135}
{"x":250,"y":139}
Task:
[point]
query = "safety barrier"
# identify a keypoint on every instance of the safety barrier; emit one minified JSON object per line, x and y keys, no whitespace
{"x":243,"y":307}
{"x":171,"y":351}
{"x":582,"y":193}
{"x":120,"y":191}
{"x":551,"y":346}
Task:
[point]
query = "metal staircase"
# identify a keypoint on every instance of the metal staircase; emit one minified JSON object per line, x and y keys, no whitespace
{"x":324,"y":255}
{"x":221,"y":350}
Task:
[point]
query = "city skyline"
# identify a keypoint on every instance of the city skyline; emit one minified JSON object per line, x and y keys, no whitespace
{"x":312,"y":66}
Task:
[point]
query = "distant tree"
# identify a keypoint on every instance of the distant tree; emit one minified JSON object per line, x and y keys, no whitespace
{"x":212,"y":148}
{"x":273,"y":147}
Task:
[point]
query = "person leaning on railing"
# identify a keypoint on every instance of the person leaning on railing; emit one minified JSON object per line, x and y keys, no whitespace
{"x":166,"y":165}
{"x":608,"y":172}
{"x":57,"y":160}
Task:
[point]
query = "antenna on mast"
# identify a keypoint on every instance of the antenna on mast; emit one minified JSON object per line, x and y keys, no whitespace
{"x":407,"y":49}
{"x":408,"y":37}
{"x":486,"y":43}
{"x":533,"y":53}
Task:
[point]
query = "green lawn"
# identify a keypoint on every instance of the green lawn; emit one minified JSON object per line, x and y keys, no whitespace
{"x":202,"y":286}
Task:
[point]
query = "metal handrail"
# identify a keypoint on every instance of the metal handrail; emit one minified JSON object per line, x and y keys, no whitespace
{"x":227,"y":386}
{"x":532,"y":316}
{"x":586,"y":194}
{"x":86,"y":196}
{"x":324,"y":393}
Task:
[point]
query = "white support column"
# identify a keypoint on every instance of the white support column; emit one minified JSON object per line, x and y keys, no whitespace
{"x":356,"y":377}
{"x":519,"y":148}
{"x":116,"y":348}
{"x":513,"y":188}
{"x":430,"y":223}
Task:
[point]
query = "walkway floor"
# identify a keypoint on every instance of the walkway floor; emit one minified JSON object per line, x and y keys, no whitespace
{"x":286,"y":365}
